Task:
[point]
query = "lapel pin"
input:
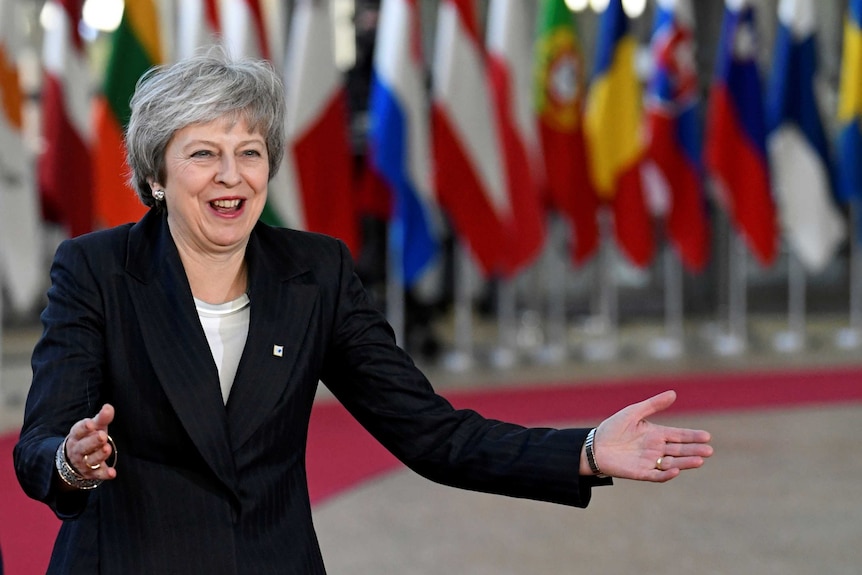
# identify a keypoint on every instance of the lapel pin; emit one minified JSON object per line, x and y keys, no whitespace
{"x":278,"y":350}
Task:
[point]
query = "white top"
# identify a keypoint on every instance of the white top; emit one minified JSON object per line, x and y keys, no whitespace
{"x":226,"y":328}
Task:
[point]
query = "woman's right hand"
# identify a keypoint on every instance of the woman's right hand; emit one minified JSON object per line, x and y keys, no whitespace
{"x":88,"y":448}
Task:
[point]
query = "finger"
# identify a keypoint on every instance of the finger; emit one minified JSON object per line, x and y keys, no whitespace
{"x":105,"y":416}
{"x":92,"y":464}
{"x":654,"y":404}
{"x":685,"y":449}
{"x":82,"y":429}
{"x":88,"y":443}
{"x":681,"y":435}
{"x":669,"y":462}
{"x":92,"y":461}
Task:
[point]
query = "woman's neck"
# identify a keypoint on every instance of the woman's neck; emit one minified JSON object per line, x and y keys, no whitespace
{"x":215,"y":278}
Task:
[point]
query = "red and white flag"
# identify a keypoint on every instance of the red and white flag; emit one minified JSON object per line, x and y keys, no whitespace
{"x":510,"y":66}
{"x":468,"y":163}
{"x":65,"y":178}
{"x":244,"y":30}
{"x":254,"y":28}
{"x":319,"y":194}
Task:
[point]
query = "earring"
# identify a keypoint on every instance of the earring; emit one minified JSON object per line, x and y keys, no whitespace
{"x":158,"y":194}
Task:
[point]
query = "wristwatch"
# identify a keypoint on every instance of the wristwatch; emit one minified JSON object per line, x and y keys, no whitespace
{"x":591,"y":454}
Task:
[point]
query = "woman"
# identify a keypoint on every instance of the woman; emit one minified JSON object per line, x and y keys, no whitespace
{"x":173,"y":384}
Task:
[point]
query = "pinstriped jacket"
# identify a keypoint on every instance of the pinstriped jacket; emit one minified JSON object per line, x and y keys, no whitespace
{"x":204,"y":487}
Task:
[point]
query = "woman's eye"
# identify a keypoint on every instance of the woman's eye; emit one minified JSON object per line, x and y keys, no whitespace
{"x":201,"y":154}
{"x":253,"y":153}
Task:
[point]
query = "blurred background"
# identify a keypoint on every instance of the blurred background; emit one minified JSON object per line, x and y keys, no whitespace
{"x":678,"y":164}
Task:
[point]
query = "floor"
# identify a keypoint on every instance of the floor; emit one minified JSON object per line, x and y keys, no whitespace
{"x":781,"y":495}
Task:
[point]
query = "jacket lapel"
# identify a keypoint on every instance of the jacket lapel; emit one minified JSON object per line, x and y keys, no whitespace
{"x":282,"y":300}
{"x":175,"y":342}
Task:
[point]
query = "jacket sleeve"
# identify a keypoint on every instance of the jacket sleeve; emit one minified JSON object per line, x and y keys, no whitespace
{"x":383,"y":389}
{"x":67,"y":367}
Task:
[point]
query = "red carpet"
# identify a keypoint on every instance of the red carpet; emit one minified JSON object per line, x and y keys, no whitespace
{"x":341,"y":454}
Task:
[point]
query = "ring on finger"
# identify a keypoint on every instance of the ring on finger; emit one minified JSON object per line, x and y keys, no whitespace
{"x":658,"y":463}
{"x":93,"y":467}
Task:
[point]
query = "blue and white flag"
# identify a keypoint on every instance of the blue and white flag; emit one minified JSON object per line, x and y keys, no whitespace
{"x":798,"y":150}
{"x":399,"y":136}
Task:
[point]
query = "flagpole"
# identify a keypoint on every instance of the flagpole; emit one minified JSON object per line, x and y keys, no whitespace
{"x":670,"y":345}
{"x":850,"y":337}
{"x":395,"y":281}
{"x":2,"y":385}
{"x":734,"y":340}
{"x":529,"y":336}
{"x":553,"y":351}
{"x":505,"y":354}
{"x":460,"y":358}
{"x":793,"y":338}
{"x":602,"y":343}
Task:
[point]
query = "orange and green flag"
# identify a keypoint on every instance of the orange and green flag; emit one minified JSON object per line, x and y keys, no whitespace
{"x":136,"y":47}
{"x":559,"y":96}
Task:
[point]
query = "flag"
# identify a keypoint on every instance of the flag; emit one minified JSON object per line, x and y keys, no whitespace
{"x":136,"y":46}
{"x":735,"y":146}
{"x":849,"y":149}
{"x":254,"y":29}
{"x":673,"y":130}
{"x":275,"y":26}
{"x":20,"y":240}
{"x":319,"y":192}
{"x":244,"y":29}
{"x":509,"y":43}
{"x":468,"y":167}
{"x":560,"y":87}
{"x":199,"y":25}
{"x":613,"y":125}
{"x":399,"y":135}
{"x":797,"y":145}
{"x":249,"y":33}
{"x":64,"y":166}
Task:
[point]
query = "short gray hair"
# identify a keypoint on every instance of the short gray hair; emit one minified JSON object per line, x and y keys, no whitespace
{"x":200,"y":89}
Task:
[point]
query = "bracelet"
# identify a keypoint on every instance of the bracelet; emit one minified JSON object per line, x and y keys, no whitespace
{"x":591,"y":455}
{"x":69,"y":474}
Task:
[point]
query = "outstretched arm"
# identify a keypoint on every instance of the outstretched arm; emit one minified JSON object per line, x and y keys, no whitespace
{"x":628,"y":446}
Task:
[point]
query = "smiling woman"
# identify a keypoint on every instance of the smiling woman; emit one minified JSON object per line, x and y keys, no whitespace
{"x":214,"y":188}
{"x":194,"y":340}
{"x":204,"y":138}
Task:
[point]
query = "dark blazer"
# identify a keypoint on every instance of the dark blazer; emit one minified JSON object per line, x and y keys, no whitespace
{"x":206,"y":488}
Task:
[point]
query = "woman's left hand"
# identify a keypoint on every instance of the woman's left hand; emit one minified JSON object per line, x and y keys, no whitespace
{"x":628,"y":446}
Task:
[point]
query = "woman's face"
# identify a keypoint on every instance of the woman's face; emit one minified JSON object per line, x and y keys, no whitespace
{"x":216,"y":184}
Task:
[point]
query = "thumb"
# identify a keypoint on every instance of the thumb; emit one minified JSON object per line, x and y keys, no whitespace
{"x":104,"y":417}
{"x":654,"y":404}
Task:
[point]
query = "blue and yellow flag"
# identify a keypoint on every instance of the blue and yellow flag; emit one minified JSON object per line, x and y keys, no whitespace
{"x":613,"y":126}
{"x":850,"y":108}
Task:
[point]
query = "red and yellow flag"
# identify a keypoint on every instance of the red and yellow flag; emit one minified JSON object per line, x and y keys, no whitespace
{"x":617,"y":148}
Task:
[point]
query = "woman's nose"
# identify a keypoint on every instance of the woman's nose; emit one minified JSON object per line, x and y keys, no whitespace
{"x":228,"y":173}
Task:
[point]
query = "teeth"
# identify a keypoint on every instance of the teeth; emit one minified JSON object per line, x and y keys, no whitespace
{"x":226,"y":204}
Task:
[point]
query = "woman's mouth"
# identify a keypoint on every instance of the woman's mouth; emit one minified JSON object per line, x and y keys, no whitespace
{"x":226,"y":206}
